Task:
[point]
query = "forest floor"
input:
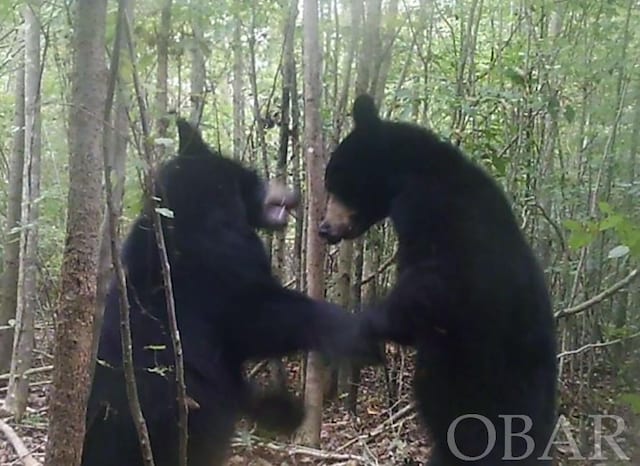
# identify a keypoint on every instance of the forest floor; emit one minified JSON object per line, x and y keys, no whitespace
{"x":376,"y":435}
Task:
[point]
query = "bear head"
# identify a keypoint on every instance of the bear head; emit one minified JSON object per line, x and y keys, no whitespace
{"x":361,"y":177}
{"x":203,"y":187}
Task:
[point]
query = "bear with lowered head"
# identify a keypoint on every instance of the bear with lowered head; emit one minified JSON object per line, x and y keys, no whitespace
{"x":230,"y":308}
{"x":470,"y":296}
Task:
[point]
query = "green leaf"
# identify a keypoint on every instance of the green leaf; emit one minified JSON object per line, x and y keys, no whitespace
{"x":618,"y":252}
{"x":605,"y":208}
{"x":612,"y":221}
{"x":573,"y":225}
{"x":580,"y":239}
{"x":633,"y":400}
{"x":516,"y":76}
{"x":569,"y":113}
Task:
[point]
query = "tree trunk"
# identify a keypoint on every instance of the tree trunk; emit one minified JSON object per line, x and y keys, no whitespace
{"x":116,"y":147}
{"x":75,"y":313}
{"x":162,"y":75}
{"x":310,"y":430}
{"x":198,"y":72}
{"x":238,"y":84}
{"x":11,"y":258}
{"x":18,"y":391}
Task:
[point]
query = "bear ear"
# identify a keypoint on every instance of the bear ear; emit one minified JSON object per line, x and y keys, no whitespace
{"x":365,"y":112}
{"x":189,"y":139}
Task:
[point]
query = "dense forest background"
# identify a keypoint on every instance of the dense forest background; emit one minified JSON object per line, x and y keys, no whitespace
{"x":545,"y":94}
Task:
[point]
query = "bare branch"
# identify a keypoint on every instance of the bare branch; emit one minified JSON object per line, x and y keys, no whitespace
{"x":408,"y":411}
{"x":292,"y":450}
{"x":21,"y":450}
{"x":597,"y":298}
{"x":37,"y":370}
{"x":603,"y":344}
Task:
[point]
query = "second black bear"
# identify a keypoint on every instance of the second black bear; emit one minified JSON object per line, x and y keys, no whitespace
{"x":470,"y":295}
{"x":229,"y":306}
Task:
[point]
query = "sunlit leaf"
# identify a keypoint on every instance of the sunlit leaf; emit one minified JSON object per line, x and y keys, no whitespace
{"x":168,"y":213}
{"x":618,"y":252}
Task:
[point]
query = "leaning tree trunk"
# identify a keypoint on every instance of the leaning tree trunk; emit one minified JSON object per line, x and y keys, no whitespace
{"x":17,"y":393}
{"x":75,"y":313}
{"x":310,"y":430}
{"x":116,"y":139}
{"x":11,"y":265}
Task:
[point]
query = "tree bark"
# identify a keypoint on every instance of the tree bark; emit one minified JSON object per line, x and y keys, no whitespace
{"x":11,"y":258}
{"x":310,"y":429}
{"x":162,"y":75}
{"x":238,"y":84}
{"x":17,"y":393}
{"x":116,"y":147}
{"x":198,"y":71}
{"x":75,"y":313}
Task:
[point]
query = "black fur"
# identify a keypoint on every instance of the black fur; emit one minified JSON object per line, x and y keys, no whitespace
{"x":230,"y":308}
{"x":470,"y":296}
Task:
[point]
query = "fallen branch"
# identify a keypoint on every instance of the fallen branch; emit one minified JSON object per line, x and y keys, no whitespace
{"x":257,"y":368}
{"x":37,"y":370}
{"x":603,"y":344}
{"x":38,"y":383}
{"x":292,"y":450}
{"x":399,"y":415}
{"x":18,"y":446}
{"x":597,"y":298}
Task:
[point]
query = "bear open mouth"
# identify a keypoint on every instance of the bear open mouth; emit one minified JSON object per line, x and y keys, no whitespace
{"x":278,"y":204}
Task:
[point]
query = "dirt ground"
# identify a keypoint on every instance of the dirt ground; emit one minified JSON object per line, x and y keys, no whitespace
{"x":375,"y":436}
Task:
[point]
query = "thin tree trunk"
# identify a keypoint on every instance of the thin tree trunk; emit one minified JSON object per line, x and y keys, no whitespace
{"x":288,"y":70}
{"x":548,"y":155}
{"x":162,"y":75}
{"x":75,"y":313}
{"x":238,"y":84}
{"x":17,"y":393}
{"x":257,"y":115}
{"x":11,"y":257}
{"x":116,"y":150}
{"x":198,"y":72}
{"x":310,"y":430}
{"x":297,"y":166}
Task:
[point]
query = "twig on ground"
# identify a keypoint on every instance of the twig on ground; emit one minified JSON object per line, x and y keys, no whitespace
{"x":292,"y":450}
{"x":257,"y":368}
{"x":399,"y":415}
{"x":38,"y":383}
{"x":36,"y":370}
{"x":21,"y":450}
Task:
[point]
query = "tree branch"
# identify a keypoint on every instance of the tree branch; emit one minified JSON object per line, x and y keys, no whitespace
{"x":597,"y":345}
{"x":292,"y":450}
{"x":406,"y":411}
{"x":597,"y":298}
{"x":21,"y":450}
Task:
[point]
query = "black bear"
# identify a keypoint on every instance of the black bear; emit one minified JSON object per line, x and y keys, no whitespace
{"x":470,"y":295}
{"x":229,"y":307}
